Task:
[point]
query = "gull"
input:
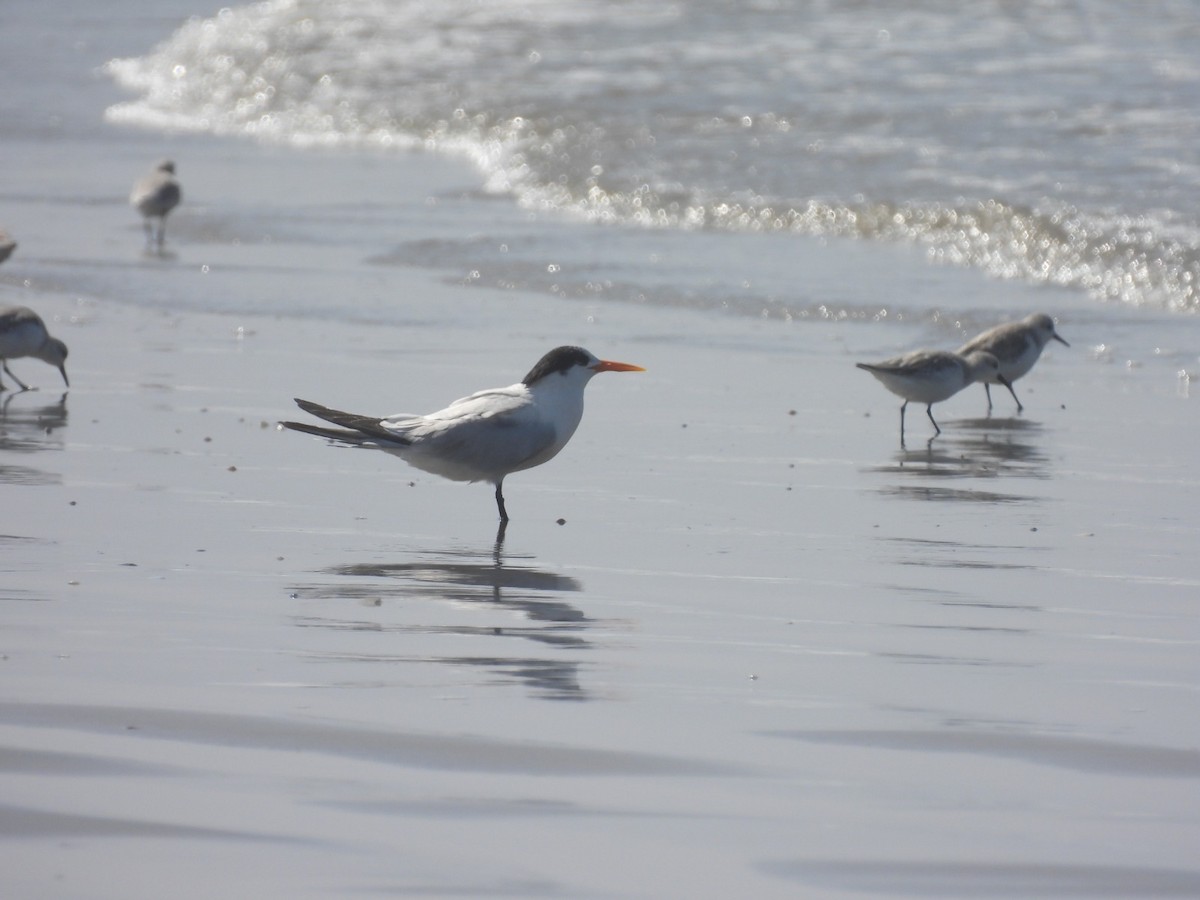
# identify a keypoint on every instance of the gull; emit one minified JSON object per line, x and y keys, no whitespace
{"x":1016,"y":346}
{"x":485,"y":436}
{"x":23,"y":333}
{"x":154,"y":196}
{"x":930,"y":376}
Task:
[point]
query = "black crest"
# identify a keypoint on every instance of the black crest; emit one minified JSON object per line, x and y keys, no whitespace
{"x":560,"y":360}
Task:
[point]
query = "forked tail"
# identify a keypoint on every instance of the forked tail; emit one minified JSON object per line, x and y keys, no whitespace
{"x":356,"y":429}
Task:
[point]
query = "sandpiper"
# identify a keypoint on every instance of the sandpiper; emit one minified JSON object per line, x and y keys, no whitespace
{"x":23,"y":333}
{"x":930,"y":376}
{"x":1016,"y":346}
{"x":154,"y":196}
{"x":7,"y":245}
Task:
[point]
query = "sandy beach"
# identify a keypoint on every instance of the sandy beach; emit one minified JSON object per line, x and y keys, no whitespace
{"x":736,"y":640}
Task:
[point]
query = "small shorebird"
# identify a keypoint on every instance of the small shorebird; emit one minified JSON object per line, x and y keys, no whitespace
{"x":7,"y":245}
{"x":487,"y":435}
{"x":1016,"y":346}
{"x":23,"y":333}
{"x":154,"y":196}
{"x":930,"y":376}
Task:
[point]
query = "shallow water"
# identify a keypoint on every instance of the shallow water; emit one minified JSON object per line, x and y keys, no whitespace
{"x":771,"y":652}
{"x":1049,"y":142}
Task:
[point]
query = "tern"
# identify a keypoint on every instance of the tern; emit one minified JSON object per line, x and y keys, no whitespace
{"x":23,"y":333}
{"x":485,"y":436}
{"x":154,"y":196}
{"x":930,"y":376}
{"x":1017,"y":346}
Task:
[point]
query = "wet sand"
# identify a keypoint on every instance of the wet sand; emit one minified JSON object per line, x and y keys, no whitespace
{"x":767,"y":652}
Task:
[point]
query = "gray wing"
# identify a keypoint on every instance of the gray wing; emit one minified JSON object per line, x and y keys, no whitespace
{"x":1003,"y":341}
{"x":13,"y":317}
{"x":915,"y":363}
{"x":156,"y":195}
{"x":483,"y":436}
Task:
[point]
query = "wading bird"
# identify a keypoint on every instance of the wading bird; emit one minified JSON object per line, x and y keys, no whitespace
{"x":487,"y":435}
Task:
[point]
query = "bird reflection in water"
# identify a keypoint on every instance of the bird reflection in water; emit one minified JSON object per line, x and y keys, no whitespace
{"x":483,"y":583}
{"x":981,"y":452}
{"x":26,"y":427}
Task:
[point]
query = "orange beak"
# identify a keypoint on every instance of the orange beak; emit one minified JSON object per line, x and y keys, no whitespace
{"x":608,"y":366}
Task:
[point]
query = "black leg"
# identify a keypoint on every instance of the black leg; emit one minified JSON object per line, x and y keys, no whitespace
{"x":903,"y":406}
{"x":500,"y":502}
{"x":23,"y":385}
{"x":988,"y":389}
{"x":1020,"y":408}
{"x":929,"y":412}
